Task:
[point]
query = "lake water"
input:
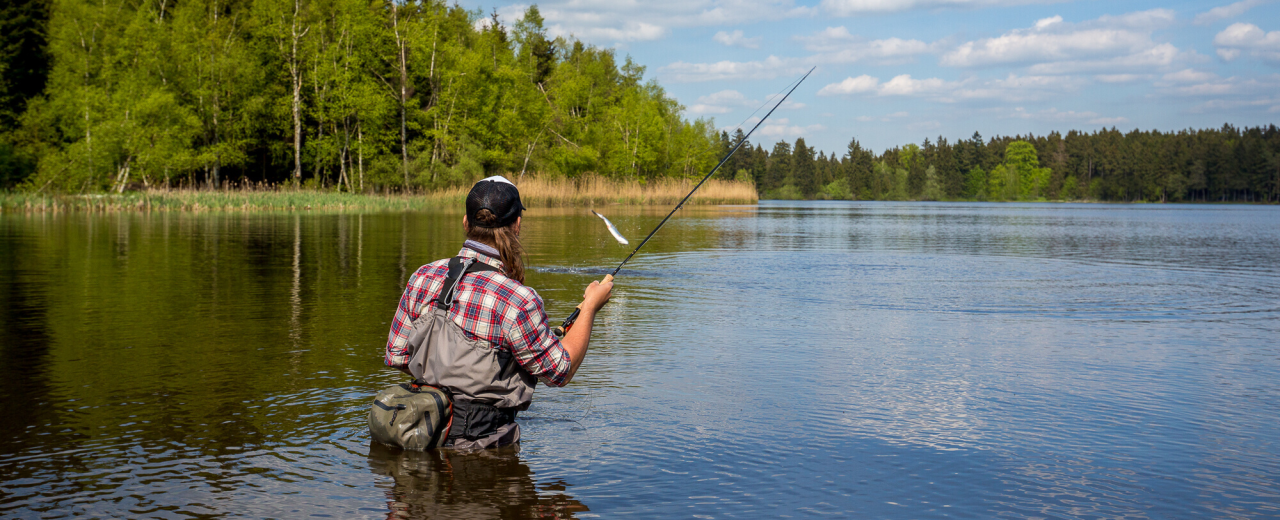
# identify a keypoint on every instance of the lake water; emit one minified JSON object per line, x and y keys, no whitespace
{"x":788,"y":359}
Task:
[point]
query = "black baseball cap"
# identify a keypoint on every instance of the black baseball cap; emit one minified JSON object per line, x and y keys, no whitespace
{"x":499,"y":196}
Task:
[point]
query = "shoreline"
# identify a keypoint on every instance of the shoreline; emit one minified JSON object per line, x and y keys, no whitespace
{"x":535,"y":193}
{"x":539,"y":194}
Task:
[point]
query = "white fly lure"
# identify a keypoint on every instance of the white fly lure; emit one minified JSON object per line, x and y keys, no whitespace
{"x":612,"y":229}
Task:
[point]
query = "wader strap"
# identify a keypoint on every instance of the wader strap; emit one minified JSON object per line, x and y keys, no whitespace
{"x":459,"y":266}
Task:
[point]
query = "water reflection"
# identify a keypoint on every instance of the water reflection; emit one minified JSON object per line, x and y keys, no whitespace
{"x":485,"y":484}
{"x":795,"y":359}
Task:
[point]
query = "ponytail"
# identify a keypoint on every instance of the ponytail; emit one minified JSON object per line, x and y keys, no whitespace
{"x":504,"y":239}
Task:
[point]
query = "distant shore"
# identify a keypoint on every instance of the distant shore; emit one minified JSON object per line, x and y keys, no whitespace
{"x":534,"y":192}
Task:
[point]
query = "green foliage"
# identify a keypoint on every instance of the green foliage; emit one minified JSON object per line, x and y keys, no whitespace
{"x":24,"y":60}
{"x":1070,"y":187}
{"x":1226,"y":164}
{"x":1002,"y":183}
{"x":837,"y":190}
{"x":1031,"y":180}
{"x":14,"y":168}
{"x":975,"y":184}
{"x":786,"y":192}
{"x":357,"y":94}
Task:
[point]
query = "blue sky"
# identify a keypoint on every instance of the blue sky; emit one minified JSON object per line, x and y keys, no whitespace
{"x":891,"y":72}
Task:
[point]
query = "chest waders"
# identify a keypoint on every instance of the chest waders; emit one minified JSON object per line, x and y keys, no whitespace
{"x":483,"y":382}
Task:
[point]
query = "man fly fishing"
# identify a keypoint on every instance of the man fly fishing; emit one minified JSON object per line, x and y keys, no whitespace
{"x":490,"y":338}
{"x":476,"y":339}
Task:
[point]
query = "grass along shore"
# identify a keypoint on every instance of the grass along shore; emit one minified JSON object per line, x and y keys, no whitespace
{"x":534,"y":192}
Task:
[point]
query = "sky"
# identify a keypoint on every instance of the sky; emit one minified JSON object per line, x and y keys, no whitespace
{"x":892,"y":72}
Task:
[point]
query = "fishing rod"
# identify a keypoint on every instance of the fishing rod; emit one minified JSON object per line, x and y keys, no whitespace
{"x":568,"y":322}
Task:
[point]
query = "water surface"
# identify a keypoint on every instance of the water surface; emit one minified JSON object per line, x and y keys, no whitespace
{"x":792,"y":359}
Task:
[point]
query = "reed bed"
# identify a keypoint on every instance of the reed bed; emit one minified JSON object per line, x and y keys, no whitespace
{"x":230,"y":200}
{"x":534,"y":192}
{"x":598,"y":191}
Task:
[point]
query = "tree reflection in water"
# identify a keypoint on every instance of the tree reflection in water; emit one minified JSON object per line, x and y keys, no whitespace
{"x":444,"y":483}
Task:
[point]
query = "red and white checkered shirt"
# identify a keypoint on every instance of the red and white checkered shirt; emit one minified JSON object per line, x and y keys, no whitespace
{"x":489,"y":306}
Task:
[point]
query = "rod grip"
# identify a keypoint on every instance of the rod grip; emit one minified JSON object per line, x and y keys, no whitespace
{"x":563,"y":329}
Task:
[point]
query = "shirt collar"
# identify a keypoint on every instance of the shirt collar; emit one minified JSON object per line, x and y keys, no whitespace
{"x":483,"y":252}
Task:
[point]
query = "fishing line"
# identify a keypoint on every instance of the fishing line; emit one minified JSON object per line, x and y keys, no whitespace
{"x":568,"y":322}
{"x":709,"y":174}
{"x":766,"y":103}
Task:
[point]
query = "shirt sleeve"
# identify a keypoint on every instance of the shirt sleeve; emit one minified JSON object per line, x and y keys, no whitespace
{"x":397,"y":355}
{"x":535,"y":347}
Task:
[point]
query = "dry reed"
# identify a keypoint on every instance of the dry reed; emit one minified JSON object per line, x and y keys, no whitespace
{"x":599,"y":191}
{"x":534,"y":191}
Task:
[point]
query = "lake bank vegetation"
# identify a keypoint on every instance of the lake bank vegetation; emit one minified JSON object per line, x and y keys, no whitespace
{"x":1216,"y":165}
{"x":352,"y":95}
{"x":535,"y":192}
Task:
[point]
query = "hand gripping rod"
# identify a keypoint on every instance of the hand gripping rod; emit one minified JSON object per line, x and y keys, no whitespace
{"x":568,"y":322}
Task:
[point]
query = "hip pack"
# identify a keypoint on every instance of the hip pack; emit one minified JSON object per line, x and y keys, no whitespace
{"x":411,"y":416}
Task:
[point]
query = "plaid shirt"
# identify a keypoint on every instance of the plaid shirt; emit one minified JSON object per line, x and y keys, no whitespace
{"x":488,"y":306}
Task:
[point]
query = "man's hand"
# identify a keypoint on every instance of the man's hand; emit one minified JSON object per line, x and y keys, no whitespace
{"x":597,"y":294}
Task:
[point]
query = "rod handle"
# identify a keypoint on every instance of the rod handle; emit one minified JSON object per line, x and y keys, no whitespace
{"x":573,"y":318}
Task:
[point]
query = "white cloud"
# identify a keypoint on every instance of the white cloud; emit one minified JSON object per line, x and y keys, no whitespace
{"x":767,"y":68}
{"x":904,"y":85}
{"x":782,"y":127}
{"x":1270,"y":103}
{"x":1104,"y":121}
{"x":726,"y":101}
{"x":1189,"y":76}
{"x":1045,"y":22}
{"x":1150,"y":19}
{"x":736,"y":39}
{"x":611,"y":22}
{"x":1247,"y":37}
{"x":725,"y":97}
{"x":1212,"y":88}
{"x":1194,"y":84}
{"x":1159,"y":57}
{"x":790,"y":104}
{"x":852,"y":7}
{"x":901,"y":85}
{"x":1019,"y":88}
{"x":859,"y":85}
{"x":883,"y":119}
{"x":1052,"y":46}
{"x":628,"y":32}
{"x":1227,"y":11}
{"x":924,"y":125}
{"x":837,"y":45}
{"x":1121,"y":78}
{"x":1010,"y":88}
{"x":721,"y":102}
{"x":1054,"y":115}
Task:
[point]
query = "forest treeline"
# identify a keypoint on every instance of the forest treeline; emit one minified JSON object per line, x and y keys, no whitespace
{"x":355,"y":94}
{"x":1226,"y":164}
{"x":374,"y":95}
